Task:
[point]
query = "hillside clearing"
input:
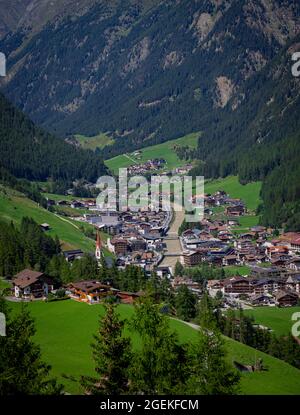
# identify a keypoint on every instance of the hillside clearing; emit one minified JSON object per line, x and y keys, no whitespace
{"x":277,"y":319}
{"x":164,"y":150}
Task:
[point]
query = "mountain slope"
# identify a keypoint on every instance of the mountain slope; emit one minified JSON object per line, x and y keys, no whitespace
{"x":145,"y":71}
{"x":28,"y":152}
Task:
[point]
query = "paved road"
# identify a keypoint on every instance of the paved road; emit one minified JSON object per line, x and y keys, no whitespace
{"x":172,"y":241}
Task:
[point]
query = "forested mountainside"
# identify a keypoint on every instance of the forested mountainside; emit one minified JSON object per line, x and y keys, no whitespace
{"x":261,"y":140}
{"x":28,"y":152}
{"x":149,"y":71}
{"x":31,"y":15}
{"x":145,"y":71}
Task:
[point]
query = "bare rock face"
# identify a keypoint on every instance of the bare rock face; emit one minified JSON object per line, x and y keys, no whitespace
{"x":224,"y":91}
{"x":173,"y":58}
{"x":137,"y":55}
{"x":203,"y":24}
{"x":254,"y":62}
{"x":278,"y":19}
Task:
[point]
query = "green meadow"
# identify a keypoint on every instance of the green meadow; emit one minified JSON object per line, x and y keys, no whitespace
{"x":277,"y":319}
{"x":249,"y":193}
{"x":232,"y":270}
{"x":100,"y":140}
{"x":14,"y":206}
{"x":164,"y":150}
{"x":65,"y":330}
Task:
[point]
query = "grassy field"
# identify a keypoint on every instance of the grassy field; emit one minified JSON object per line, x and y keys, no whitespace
{"x":14,"y":206}
{"x":101,"y":140}
{"x":63,"y":197}
{"x":236,"y":270}
{"x":65,"y":329}
{"x":165,"y":150}
{"x":4,"y":284}
{"x":249,"y":193}
{"x":277,"y":319}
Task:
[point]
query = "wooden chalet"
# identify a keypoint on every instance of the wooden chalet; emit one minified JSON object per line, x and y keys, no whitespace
{"x":90,"y":291}
{"x":286,"y":298}
{"x":30,"y":284}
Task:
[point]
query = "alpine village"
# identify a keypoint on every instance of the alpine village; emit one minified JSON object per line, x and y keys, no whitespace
{"x":107,"y":301}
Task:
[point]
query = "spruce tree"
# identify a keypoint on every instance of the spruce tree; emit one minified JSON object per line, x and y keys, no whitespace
{"x":212,"y":374}
{"x":185,"y":303}
{"x":22,"y":370}
{"x":160,"y":366}
{"x":112,"y":356}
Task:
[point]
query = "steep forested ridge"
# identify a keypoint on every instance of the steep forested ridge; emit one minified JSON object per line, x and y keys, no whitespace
{"x":145,"y":71}
{"x":28,"y":152}
{"x":261,"y":140}
{"x":148,"y":71}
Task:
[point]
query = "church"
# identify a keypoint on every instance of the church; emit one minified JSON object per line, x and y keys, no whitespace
{"x":98,"y":252}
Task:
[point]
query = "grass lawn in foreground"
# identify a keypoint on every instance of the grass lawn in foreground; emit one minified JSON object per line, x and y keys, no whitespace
{"x":65,"y":330}
{"x":277,"y":319}
{"x":164,"y":150}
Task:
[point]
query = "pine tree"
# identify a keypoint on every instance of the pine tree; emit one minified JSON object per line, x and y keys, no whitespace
{"x":185,"y":303}
{"x":212,"y":375}
{"x":161,"y":365}
{"x":22,"y":371}
{"x":112,"y":356}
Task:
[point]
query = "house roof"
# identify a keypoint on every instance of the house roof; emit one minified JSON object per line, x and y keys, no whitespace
{"x":88,"y":286}
{"x":281,"y":294}
{"x":27,"y":277}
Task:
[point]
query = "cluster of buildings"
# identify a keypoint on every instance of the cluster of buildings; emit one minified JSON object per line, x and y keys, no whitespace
{"x":30,"y":285}
{"x":233,"y":207}
{"x":74,"y":204}
{"x":283,"y":290}
{"x":148,"y":166}
{"x":139,"y":240}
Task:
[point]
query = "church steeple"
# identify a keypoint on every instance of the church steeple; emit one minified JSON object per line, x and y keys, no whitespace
{"x":98,"y":252}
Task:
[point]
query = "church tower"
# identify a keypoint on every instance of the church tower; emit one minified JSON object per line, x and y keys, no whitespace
{"x":98,"y":252}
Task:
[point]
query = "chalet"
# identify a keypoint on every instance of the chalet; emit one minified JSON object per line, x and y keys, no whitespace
{"x":266,"y":272}
{"x":261,"y":299}
{"x":237,"y":285}
{"x":120,"y":246}
{"x":192,"y":258}
{"x":272,"y":251}
{"x":137,"y":244}
{"x":45,"y":227}
{"x":238,"y":210}
{"x":230,"y":260}
{"x":30,"y":284}
{"x":73,"y":254}
{"x":76,"y":204}
{"x":233,"y":222}
{"x":294,"y":264}
{"x":286,"y":298}
{"x":250,"y":259}
{"x":293,"y":283}
{"x":267,"y":286}
{"x":90,"y":291}
{"x":128,"y":298}
{"x":62,"y":203}
{"x":259,"y":230}
{"x":292,"y":240}
{"x":192,"y":285}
